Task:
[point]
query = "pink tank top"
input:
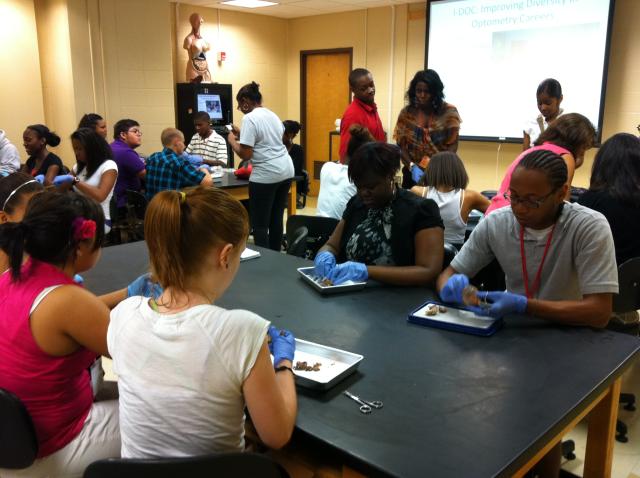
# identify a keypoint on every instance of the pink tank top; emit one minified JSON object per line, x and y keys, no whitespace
{"x":55,"y":390}
{"x":498,"y":200}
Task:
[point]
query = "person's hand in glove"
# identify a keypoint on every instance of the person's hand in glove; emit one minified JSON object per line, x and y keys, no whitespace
{"x":145,"y":287}
{"x":40,"y":178}
{"x":282,"y":345}
{"x":354,"y":271}
{"x":324,"y":263}
{"x":63,"y":179}
{"x":452,"y":290}
{"x":194,"y":159}
{"x":501,"y":304}
{"x":416,"y":173}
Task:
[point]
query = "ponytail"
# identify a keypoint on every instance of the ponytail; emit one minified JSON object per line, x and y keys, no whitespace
{"x":175,"y":221}
{"x":251,"y":92}
{"x":51,"y":138}
{"x":12,"y":239}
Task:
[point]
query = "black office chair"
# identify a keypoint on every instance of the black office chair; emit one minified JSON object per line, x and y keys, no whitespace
{"x":450,"y":252}
{"x":18,"y":443}
{"x":205,"y":466}
{"x":627,"y":301}
{"x":302,"y":189}
{"x":319,"y":229}
{"x":130,"y":223}
{"x":297,"y":246}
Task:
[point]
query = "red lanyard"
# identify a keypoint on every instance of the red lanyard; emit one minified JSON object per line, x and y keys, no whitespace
{"x":523,"y":256}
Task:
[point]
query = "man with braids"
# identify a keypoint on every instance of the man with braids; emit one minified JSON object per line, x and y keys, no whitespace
{"x":558,"y":257}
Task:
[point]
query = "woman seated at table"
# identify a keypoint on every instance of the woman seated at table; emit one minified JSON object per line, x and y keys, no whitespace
{"x":386,"y":233}
{"x":41,"y":161}
{"x":445,"y":181}
{"x":615,"y":192}
{"x":51,"y":331}
{"x":202,"y":363}
{"x":570,"y":136}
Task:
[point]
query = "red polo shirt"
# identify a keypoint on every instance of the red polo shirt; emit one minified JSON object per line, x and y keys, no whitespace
{"x":364,"y":115}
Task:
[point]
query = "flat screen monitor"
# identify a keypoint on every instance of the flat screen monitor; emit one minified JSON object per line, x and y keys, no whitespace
{"x":492,"y":54}
{"x":211,"y":104}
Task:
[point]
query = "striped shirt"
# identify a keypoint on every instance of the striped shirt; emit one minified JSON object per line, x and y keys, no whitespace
{"x":213,"y":148}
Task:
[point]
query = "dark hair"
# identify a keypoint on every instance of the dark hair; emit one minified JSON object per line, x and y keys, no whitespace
{"x":46,"y":232}
{"x":549,"y":163}
{"x":446,"y":169}
{"x":291,"y":127}
{"x":356,"y":74}
{"x":359,"y":136}
{"x":616,"y":168}
{"x":251,"y":92}
{"x":122,"y":126}
{"x":379,"y":159}
{"x":572,"y":132}
{"x":201,"y":116}
{"x":176,"y":219}
{"x":436,"y":88}
{"x":551,"y":87}
{"x":42,"y":131}
{"x":96,"y":149}
{"x":90,"y":120}
{"x":13,"y":183}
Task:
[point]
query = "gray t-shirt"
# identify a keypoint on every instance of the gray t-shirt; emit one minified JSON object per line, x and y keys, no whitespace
{"x":581,"y":258}
{"x":262,"y":130}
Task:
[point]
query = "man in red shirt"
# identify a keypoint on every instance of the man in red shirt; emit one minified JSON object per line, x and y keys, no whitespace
{"x":362,"y":110}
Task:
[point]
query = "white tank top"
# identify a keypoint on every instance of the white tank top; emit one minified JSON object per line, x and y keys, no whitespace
{"x":450,"y":205}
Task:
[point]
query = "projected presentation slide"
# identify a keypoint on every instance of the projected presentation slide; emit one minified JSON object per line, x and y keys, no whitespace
{"x":492,"y":54}
{"x":211,"y":104}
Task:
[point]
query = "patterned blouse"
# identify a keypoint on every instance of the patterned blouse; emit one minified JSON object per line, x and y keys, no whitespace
{"x":439,"y":134}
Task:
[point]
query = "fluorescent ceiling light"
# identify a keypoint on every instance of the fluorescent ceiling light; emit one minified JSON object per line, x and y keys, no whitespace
{"x":249,"y":3}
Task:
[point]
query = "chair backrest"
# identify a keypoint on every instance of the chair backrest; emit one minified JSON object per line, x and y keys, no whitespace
{"x":137,"y":202}
{"x":220,"y":465}
{"x":18,"y":442}
{"x":628,"y":298}
{"x":318,"y":231}
{"x":298,"y":245}
{"x":449,"y":253}
{"x":489,"y":193}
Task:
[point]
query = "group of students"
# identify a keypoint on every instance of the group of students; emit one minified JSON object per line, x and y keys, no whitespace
{"x":186,"y":367}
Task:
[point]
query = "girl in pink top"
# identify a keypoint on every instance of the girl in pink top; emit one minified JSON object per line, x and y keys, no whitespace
{"x":570,"y":136}
{"x":51,"y":331}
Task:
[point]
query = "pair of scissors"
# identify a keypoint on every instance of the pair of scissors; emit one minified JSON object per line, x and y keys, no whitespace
{"x":365,"y":406}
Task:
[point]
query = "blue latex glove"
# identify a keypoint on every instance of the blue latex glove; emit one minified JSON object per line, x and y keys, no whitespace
{"x":194,"y":159}
{"x":501,"y":304}
{"x":40,"y":178}
{"x":452,"y":290}
{"x":63,"y":179}
{"x":145,"y":287}
{"x":78,"y":279}
{"x":355,"y":271}
{"x":283,"y":347}
{"x":324,"y":264}
{"x":416,"y":173}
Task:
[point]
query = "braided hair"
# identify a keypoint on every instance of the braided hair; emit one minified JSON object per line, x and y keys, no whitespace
{"x":548,"y":162}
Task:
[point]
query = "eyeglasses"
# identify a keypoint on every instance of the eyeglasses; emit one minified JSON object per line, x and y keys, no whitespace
{"x":135,"y":131}
{"x":530,"y":203}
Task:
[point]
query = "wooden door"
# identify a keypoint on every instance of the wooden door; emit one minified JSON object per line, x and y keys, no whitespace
{"x":325,"y":96}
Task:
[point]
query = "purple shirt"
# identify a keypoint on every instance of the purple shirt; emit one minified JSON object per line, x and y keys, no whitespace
{"x":129,"y":165}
